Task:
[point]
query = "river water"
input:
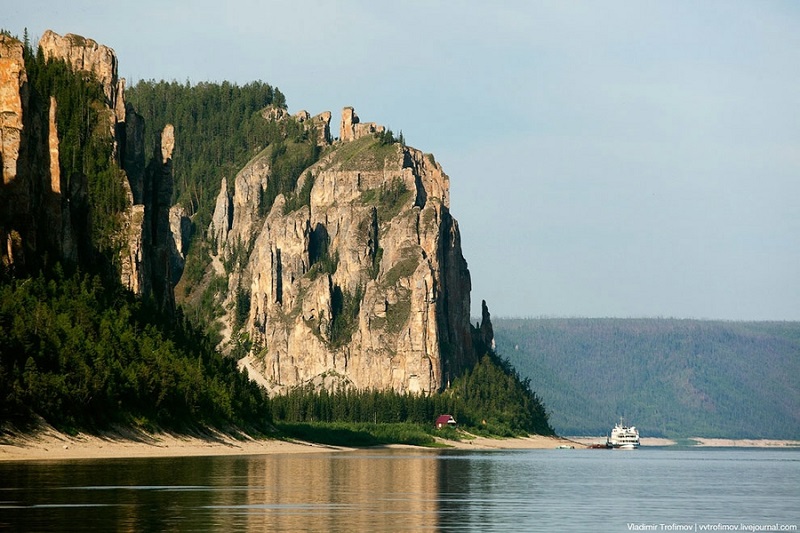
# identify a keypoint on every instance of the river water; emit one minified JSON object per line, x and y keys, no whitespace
{"x":650,"y":489}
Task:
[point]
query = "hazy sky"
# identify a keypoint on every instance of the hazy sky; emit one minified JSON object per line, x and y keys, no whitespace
{"x":606,"y":158}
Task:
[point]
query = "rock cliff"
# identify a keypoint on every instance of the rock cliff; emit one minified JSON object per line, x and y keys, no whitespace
{"x":14,"y":198}
{"x":45,"y":211}
{"x":86,"y":55}
{"x":12,"y":95}
{"x":352,"y":275}
{"x":365,"y":284}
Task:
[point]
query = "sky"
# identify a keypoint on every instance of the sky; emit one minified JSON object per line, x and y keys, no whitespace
{"x":606,"y":159}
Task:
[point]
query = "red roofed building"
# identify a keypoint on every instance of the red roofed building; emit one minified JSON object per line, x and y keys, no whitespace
{"x":445,"y":420}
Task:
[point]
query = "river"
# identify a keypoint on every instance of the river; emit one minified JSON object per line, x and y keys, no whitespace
{"x":650,"y":489}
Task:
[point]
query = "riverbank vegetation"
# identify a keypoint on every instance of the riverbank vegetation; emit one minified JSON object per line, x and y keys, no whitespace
{"x":490,"y":399}
{"x":85,"y":357}
{"x":82,"y":353}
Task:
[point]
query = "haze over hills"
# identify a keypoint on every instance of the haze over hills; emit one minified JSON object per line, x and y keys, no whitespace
{"x":668,"y":377}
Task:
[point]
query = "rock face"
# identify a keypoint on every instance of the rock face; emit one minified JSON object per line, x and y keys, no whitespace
{"x":14,"y":196}
{"x":356,"y":277}
{"x":12,"y":95}
{"x":366,"y":285}
{"x":351,"y":127}
{"x":85,"y":55}
{"x":153,"y":256}
{"x":44,"y":211}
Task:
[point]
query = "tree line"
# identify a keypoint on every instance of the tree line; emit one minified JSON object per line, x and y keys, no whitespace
{"x":490,"y":398}
{"x":84,"y":355}
{"x":218,"y":129}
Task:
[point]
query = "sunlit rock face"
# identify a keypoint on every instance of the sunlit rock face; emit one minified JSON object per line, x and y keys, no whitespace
{"x":364,"y":285}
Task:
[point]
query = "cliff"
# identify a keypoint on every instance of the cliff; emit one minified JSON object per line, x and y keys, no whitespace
{"x":13,"y":97}
{"x":334,"y":262}
{"x":365,"y":284}
{"x":104,"y":208}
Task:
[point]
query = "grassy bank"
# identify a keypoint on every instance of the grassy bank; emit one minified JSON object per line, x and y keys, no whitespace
{"x":365,"y":434}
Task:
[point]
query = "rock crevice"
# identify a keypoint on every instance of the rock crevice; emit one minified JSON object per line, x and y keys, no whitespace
{"x":366,"y":285}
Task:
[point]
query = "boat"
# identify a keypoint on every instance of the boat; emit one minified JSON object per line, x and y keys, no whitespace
{"x":623,"y":437}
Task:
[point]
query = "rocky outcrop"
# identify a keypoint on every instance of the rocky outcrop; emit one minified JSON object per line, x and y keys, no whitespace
{"x":351,"y":127}
{"x":158,"y":241}
{"x":321,"y":124}
{"x":365,"y":285}
{"x":44,"y":211}
{"x":485,"y":328}
{"x":86,"y":55}
{"x":180,"y":227}
{"x":12,"y":95}
{"x":135,"y":155}
{"x":221,"y":219}
{"x":14,"y":195}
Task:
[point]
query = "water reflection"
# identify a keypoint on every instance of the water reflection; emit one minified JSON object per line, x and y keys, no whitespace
{"x":384,"y":490}
{"x":339,"y":492}
{"x":402,"y":490}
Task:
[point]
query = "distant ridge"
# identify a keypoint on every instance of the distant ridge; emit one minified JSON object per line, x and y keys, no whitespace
{"x":669,"y":377}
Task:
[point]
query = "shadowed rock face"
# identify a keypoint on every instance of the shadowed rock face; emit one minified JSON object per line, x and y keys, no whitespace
{"x":44,"y":211}
{"x":365,"y":285}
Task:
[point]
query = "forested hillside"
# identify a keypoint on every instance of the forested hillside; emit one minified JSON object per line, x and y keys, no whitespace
{"x":672,"y":378}
{"x":84,"y":355}
{"x":84,"y":347}
{"x":218,"y":128}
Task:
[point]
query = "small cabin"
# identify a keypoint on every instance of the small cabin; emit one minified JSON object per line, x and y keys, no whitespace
{"x":445,"y":421}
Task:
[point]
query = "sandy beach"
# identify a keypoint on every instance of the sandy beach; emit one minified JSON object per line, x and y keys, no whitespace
{"x":531,"y":442}
{"x":745,"y":443}
{"x":48,"y":444}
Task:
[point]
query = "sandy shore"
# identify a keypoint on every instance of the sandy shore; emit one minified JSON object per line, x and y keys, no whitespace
{"x":531,"y":442}
{"x":49,"y":444}
{"x":52,"y":445}
{"x":746,"y":443}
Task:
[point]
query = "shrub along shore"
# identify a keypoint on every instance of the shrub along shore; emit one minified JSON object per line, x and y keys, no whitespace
{"x":47,"y":443}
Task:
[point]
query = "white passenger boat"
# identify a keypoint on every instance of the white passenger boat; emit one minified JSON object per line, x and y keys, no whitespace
{"x":623,"y":437}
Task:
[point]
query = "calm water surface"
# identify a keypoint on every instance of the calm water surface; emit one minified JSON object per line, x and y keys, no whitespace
{"x":409,"y":490}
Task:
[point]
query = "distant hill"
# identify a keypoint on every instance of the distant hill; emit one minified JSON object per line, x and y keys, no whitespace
{"x":670,"y":378}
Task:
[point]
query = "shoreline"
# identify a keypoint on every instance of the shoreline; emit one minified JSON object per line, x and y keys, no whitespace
{"x":47,"y":444}
{"x":701,"y":442}
{"x":50,"y":445}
